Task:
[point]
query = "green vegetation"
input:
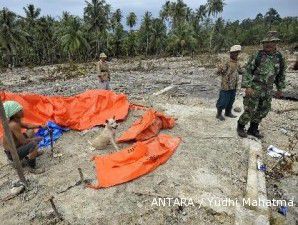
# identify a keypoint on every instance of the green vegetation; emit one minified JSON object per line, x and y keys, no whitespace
{"x":179,"y":30}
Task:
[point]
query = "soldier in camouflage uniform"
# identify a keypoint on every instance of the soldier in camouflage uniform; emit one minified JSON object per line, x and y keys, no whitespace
{"x":263,"y":70}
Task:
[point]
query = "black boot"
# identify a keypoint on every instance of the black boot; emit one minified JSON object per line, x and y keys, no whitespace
{"x":241,"y":131}
{"x":219,"y":115}
{"x":254,"y":131}
{"x":228,"y":113}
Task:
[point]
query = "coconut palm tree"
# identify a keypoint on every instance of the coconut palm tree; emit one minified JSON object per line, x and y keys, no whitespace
{"x":145,"y":30}
{"x":175,"y":12}
{"x":182,"y":40}
{"x":30,"y":26}
{"x":116,"y":19}
{"x":117,"y":39}
{"x":271,"y":16}
{"x":12,"y":36}
{"x":66,"y":17}
{"x":117,"y":16}
{"x":214,"y":7}
{"x":73,"y":39}
{"x":180,"y":13}
{"x":130,"y":44}
{"x":131,"y":20}
{"x":221,"y":38}
{"x":197,"y":17}
{"x":96,"y":16}
{"x":158,"y":36}
{"x":201,"y":12}
{"x":46,"y":38}
{"x":166,"y":11}
{"x":130,"y":40}
{"x":32,"y":14}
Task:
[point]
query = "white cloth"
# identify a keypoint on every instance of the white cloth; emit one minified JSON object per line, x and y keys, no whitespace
{"x":276,"y":153}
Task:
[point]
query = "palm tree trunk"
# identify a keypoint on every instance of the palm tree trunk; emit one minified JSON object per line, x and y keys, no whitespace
{"x":97,"y":48}
{"x":11,"y":55}
{"x":211,"y":37}
{"x":107,"y":43}
{"x":147,"y":45}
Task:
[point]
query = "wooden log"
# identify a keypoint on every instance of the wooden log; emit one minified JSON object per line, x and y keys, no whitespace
{"x":13,"y":149}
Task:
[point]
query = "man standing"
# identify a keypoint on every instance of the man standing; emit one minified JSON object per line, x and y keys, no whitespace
{"x":263,"y":70}
{"x":103,"y":72}
{"x":229,"y":72}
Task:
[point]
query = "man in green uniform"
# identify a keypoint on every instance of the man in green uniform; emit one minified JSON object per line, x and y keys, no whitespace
{"x":263,"y":70}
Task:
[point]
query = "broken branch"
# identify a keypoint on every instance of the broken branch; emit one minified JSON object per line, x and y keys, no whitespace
{"x":58,"y":215}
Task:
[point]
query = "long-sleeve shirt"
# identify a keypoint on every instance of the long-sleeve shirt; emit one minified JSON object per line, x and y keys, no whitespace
{"x":103,"y":70}
{"x":230,"y":74}
{"x":263,"y":70}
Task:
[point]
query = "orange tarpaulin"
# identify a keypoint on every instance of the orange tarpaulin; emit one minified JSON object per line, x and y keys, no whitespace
{"x":92,"y":108}
{"x":147,"y":126}
{"x":78,"y":112}
{"x":133,"y":162}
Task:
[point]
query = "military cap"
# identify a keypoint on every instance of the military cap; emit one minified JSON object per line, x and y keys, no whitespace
{"x":272,"y":36}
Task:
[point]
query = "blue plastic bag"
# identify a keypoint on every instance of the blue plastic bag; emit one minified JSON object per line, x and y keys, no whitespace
{"x":283,"y":210}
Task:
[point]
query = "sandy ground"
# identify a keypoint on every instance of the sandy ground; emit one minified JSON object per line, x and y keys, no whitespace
{"x":210,"y":162}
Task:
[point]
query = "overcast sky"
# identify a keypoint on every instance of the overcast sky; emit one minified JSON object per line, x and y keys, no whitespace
{"x":234,"y":9}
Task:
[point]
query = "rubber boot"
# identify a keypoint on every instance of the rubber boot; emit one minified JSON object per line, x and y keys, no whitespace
{"x":254,"y":131}
{"x":219,"y":115}
{"x":241,"y":131}
{"x":228,"y":113}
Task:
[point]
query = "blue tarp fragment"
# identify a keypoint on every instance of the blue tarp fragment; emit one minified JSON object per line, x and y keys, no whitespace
{"x":57,"y":133}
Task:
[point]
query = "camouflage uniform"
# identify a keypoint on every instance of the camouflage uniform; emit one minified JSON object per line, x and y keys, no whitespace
{"x":262,"y":71}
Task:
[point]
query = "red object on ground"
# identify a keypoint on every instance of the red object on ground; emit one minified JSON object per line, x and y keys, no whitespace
{"x":147,"y":126}
{"x":78,"y":112}
{"x":133,"y":162}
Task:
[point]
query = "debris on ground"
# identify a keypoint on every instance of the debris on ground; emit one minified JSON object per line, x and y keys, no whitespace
{"x":194,"y":171}
{"x":276,"y":152}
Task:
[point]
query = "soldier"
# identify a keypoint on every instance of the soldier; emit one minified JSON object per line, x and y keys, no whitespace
{"x":103,"y":71}
{"x":263,"y":70}
{"x":229,"y":72}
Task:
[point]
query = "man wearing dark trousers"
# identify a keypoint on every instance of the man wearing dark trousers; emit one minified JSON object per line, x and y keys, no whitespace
{"x":229,"y":73}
